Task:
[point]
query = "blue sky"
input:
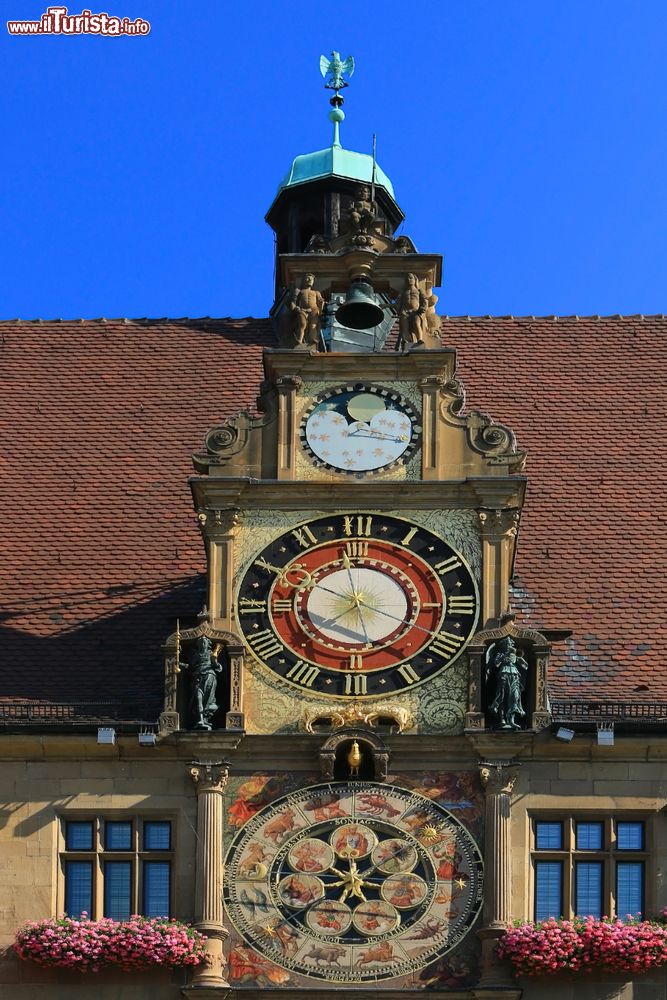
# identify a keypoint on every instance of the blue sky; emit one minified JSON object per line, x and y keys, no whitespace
{"x":526,"y":141}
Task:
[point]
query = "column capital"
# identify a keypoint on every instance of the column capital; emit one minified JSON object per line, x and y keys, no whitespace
{"x":288,"y":383}
{"x":498,"y":777}
{"x":210,"y":776}
{"x":499,"y":523}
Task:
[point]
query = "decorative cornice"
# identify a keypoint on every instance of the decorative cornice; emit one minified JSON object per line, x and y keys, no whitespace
{"x":227,"y":492}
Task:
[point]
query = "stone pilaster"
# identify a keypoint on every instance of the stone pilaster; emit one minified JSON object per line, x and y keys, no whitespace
{"x":210,"y":781}
{"x":498,"y":778}
{"x":498,"y":530}
{"x":219,"y":528}
{"x":287,"y":387}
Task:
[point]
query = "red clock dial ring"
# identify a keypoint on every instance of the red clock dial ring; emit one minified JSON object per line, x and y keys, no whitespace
{"x":366,"y":611}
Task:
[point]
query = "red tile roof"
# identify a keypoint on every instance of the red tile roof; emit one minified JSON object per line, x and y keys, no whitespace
{"x":99,"y":550}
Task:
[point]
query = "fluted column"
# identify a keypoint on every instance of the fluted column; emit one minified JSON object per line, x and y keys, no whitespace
{"x":498,"y":780}
{"x":210,"y":781}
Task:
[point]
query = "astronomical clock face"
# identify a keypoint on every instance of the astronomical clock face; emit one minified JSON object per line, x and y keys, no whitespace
{"x":353,"y":882}
{"x":360,"y":428}
{"x":354,"y":605}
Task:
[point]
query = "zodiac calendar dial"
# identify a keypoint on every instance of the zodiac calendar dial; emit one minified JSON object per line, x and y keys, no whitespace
{"x":359,"y":604}
{"x":360,"y":428}
{"x":350,"y":882}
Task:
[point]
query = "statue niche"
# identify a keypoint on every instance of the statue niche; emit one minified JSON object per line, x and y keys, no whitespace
{"x":507,"y":681}
{"x":354,"y":755}
{"x":203,"y":680}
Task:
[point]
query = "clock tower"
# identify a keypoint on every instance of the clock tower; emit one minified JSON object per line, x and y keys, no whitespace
{"x":357,"y":662}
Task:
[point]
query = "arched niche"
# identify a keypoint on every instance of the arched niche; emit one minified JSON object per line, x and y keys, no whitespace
{"x":177,"y":710}
{"x":333,"y":756}
{"x":485,"y":652}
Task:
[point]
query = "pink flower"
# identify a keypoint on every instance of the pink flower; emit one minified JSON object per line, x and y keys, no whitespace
{"x":89,"y":945}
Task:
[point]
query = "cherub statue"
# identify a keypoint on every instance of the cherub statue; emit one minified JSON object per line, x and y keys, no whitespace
{"x":506,"y":673}
{"x":306,"y":307}
{"x":411,"y":306}
{"x":204,"y":668}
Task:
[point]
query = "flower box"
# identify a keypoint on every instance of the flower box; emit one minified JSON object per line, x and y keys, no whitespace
{"x":584,"y":945}
{"x":91,"y":945}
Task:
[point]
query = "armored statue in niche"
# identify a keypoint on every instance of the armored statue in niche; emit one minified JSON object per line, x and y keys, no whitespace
{"x":506,"y":673}
{"x":306,"y":306}
{"x":204,"y":669}
{"x":411,"y":306}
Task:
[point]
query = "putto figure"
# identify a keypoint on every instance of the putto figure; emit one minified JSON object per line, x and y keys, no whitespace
{"x":204,"y":669}
{"x":306,"y":307}
{"x":506,"y":675}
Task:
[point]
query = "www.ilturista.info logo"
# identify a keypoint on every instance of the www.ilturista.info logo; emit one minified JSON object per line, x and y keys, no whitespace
{"x":56,"y":21}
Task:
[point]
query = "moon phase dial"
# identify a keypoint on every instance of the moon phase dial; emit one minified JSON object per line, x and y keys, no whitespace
{"x":360,"y":429}
{"x":359,"y":882}
{"x":358,"y":604}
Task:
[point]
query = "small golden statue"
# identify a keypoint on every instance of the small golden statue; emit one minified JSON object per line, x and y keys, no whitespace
{"x":354,"y":759}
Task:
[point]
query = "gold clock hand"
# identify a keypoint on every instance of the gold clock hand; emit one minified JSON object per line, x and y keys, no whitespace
{"x":356,"y":596}
{"x":282,"y":574}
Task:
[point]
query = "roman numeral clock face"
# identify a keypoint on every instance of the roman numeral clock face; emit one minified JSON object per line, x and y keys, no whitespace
{"x":357,"y":604}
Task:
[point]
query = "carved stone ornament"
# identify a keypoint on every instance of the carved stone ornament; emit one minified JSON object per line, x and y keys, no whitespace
{"x":496,"y":442}
{"x":224,"y":441}
{"x":210,"y":776}
{"x":357,"y":714}
{"x":496,"y":523}
{"x":366,"y":740}
{"x":498,"y":777}
{"x":221,"y":520}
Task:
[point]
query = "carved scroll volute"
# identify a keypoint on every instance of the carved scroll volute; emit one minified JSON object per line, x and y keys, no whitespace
{"x":287,"y":387}
{"x":499,"y":777}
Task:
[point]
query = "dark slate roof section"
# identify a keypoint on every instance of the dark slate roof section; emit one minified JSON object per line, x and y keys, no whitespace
{"x":99,"y":549}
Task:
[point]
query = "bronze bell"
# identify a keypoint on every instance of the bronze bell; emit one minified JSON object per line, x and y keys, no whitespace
{"x":360,"y":310}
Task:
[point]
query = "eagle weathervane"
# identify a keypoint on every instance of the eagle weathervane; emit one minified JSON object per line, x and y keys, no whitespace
{"x":336,"y":68}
